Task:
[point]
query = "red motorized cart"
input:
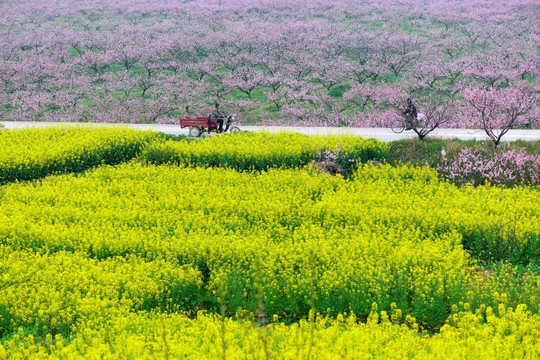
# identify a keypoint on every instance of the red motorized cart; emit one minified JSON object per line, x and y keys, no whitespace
{"x":198,"y":124}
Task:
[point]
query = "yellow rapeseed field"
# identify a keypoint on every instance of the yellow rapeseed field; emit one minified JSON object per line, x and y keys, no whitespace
{"x":165,"y":261}
{"x":469,"y":335}
{"x":33,"y":153}
{"x":260,"y":151}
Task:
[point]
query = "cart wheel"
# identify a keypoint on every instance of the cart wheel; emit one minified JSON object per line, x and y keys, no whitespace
{"x":235,"y":129}
{"x":194,"y":132}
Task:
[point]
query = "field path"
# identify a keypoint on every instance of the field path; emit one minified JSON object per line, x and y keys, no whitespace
{"x":378,"y":133}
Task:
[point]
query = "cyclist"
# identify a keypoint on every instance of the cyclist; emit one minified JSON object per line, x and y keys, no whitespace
{"x":410,"y":115}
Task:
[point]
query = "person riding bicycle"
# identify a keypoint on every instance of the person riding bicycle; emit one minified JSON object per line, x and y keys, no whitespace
{"x":411,"y":116}
{"x":218,"y":116}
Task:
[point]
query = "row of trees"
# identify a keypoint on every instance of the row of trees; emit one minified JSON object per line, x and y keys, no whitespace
{"x":273,"y":61}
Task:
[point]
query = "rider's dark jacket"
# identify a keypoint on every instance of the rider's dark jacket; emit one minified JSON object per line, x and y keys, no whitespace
{"x":411,"y":111}
{"x":216,"y":115}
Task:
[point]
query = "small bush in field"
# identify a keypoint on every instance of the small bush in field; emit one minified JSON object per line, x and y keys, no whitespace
{"x":507,"y":166}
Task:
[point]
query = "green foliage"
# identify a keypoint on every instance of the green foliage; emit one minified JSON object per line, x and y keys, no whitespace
{"x":173,"y":137}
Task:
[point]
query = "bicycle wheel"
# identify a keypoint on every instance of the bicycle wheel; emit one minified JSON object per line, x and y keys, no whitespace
{"x":397,"y":126}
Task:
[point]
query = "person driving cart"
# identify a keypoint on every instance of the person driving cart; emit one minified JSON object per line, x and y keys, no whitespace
{"x":198,"y":124}
{"x":218,"y":116}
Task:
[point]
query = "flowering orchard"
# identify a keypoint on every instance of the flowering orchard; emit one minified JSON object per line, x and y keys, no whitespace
{"x":294,"y":62}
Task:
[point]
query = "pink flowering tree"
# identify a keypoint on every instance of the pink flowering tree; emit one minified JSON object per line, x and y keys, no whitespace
{"x":436,"y":111}
{"x":496,"y":111}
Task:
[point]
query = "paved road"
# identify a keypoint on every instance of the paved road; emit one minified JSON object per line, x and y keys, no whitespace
{"x":378,"y":133}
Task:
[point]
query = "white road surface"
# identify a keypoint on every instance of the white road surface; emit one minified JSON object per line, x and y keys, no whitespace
{"x":378,"y":133}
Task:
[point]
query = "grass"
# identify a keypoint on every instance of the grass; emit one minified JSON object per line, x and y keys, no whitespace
{"x":173,"y":137}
